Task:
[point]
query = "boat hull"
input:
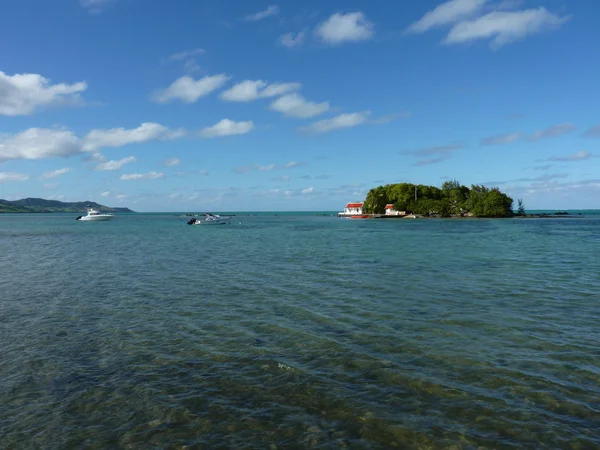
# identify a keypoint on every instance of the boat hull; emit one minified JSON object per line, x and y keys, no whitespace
{"x":95,"y":218}
{"x":211,"y":222}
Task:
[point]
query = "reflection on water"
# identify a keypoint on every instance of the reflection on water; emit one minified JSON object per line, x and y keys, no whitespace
{"x":299,"y":332}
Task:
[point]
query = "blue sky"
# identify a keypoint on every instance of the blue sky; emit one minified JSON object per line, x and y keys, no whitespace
{"x":236,"y":105}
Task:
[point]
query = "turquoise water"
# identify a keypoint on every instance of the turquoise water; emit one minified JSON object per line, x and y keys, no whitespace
{"x":299,"y":331}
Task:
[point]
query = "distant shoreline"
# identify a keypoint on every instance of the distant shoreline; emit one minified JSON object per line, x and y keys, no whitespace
{"x":540,"y":215}
{"x":331,"y":213}
{"x":40,"y":205}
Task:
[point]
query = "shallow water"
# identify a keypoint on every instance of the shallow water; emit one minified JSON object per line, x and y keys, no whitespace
{"x":299,"y":332}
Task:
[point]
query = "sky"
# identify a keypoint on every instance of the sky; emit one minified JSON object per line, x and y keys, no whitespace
{"x":233,"y":105}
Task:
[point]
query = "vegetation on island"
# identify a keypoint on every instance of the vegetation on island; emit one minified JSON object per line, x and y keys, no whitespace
{"x":451,"y":200}
{"x":39,"y":205}
{"x":520,"y":208}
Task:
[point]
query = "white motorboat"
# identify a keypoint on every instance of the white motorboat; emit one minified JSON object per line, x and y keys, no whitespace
{"x":94,"y":215}
{"x":210,"y":219}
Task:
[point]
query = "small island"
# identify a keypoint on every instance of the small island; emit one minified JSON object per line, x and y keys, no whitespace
{"x":39,"y":205}
{"x":451,"y":200}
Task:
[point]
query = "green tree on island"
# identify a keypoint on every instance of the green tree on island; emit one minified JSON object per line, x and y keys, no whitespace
{"x":520,"y":208}
{"x":453,"y":199}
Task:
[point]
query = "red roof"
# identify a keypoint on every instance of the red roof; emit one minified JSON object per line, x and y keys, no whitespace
{"x":390,"y":206}
{"x":354,"y":205}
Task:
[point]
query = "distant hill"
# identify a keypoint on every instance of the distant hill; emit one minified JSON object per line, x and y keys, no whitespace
{"x":39,"y":205}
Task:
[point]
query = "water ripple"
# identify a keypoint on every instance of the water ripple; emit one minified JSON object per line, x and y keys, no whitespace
{"x":299,"y":332}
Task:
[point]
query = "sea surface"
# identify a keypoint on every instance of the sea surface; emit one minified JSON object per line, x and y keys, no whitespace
{"x":299,"y":331}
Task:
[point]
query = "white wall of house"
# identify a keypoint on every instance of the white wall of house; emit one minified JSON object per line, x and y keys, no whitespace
{"x":393,"y":212}
{"x":353,"y":210}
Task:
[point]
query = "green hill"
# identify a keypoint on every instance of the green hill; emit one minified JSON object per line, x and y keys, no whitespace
{"x":39,"y":205}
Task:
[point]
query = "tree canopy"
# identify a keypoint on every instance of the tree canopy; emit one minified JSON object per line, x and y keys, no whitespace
{"x":452,"y":199}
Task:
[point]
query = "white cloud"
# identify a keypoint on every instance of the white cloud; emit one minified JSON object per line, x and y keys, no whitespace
{"x":117,"y":137}
{"x":89,"y":3}
{"x":509,"y":4}
{"x":577,"y":156}
{"x":553,"y":193}
{"x":437,"y":150}
{"x":316,"y":177}
{"x":340,"y":28}
{"x":437,"y":153}
{"x":95,"y":6}
{"x":391,"y":117}
{"x":272,"y":10}
{"x":243,"y":92}
{"x":249,"y":90}
{"x":174,"y":134}
{"x":227,"y":127}
{"x":339,"y":122}
{"x":12,"y":176}
{"x":186,"y":54}
{"x":192,"y":66}
{"x":294,"y":105}
{"x":96,"y":157}
{"x":593,"y":132}
{"x":544,"y":167}
{"x":275,"y":89}
{"x":291,"y":40}
{"x":172,"y":162}
{"x":24,"y":94}
{"x":38,"y":143}
{"x":115,"y":165}
{"x":268,"y":167}
{"x":449,"y":12}
{"x":501,"y":139}
{"x":295,"y":192}
{"x":142,"y":176}
{"x":434,"y":160}
{"x":293,"y":164}
{"x":184,"y":173}
{"x":56,"y":173}
{"x":189,"y":90}
{"x":105,"y":194}
{"x":243,"y":169}
{"x":553,"y":131}
{"x":282,"y":178}
{"x":504,"y":27}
